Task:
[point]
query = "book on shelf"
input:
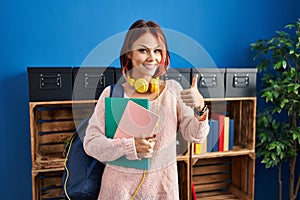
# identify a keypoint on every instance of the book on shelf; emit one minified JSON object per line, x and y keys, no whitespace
{"x":231,"y":134}
{"x":220,"y":118}
{"x":114,"y":109}
{"x":204,"y":146}
{"x":226,"y":134}
{"x":212,"y":137}
{"x":200,"y":148}
{"x":197,"y":148}
{"x":215,"y":135}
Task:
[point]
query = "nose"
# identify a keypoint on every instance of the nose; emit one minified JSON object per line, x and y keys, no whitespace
{"x":154,"y":56}
{"x":151,"y":55}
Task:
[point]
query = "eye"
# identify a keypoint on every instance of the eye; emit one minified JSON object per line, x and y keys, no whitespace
{"x":142,"y":50}
{"x":157,"y":51}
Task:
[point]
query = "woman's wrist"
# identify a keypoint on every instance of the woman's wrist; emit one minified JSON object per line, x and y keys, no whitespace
{"x":201,"y":113}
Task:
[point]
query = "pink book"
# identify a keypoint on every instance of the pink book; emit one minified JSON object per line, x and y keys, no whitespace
{"x":220,"y":119}
{"x":136,"y":121}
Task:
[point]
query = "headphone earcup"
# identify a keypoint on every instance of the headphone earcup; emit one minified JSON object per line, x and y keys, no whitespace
{"x":154,"y":85}
{"x":141,"y":85}
{"x":131,"y":81}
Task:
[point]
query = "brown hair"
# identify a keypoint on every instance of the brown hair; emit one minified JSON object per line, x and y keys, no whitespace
{"x":136,"y":30}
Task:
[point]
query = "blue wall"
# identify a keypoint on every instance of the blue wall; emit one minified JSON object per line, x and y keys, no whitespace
{"x":62,"y":33}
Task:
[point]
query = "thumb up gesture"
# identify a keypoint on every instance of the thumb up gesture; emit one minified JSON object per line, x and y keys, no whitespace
{"x":192,"y":97}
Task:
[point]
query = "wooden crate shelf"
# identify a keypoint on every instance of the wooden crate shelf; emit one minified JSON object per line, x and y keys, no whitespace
{"x":51,"y":124}
{"x":47,"y":185}
{"x":228,"y":174}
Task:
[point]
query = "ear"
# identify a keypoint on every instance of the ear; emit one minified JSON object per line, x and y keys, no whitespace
{"x":129,"y":56}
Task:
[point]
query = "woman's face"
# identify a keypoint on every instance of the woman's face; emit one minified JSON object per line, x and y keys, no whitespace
{"x":145,"y":56}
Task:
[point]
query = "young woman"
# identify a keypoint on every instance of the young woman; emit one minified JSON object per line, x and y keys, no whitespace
{"x":144,"y":58}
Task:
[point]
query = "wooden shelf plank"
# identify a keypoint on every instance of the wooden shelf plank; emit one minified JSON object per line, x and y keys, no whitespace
{"x":225,"y":154}
{"x":231,"y":99}
{"x":47,"y":170}
{"x":220,"y":197}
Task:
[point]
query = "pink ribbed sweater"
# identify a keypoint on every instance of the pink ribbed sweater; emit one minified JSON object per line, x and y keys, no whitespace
{"x":161,"y":181}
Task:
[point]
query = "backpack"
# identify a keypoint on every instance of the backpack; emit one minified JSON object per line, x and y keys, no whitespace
{"x":82,"y":174}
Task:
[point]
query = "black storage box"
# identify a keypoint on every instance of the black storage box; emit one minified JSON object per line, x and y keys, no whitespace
{"x":240,"y":82}
{"x":211,"y":82}
{"x":182,"y":75}
{"x":49,"y":83}
{"x":89,"y":82}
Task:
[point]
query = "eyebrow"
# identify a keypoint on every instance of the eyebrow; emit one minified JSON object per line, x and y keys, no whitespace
{"x":148,"y":47}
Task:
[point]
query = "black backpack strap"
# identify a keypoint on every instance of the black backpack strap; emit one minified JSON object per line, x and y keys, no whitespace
{"x":116,"y":90}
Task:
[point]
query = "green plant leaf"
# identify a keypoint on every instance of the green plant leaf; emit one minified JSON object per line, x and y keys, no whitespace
{"x":268,"y":96}
{"x":284,"y":64}
{"x":283,"y":103}
{"x":295,"y":136}
{"x":278,"y":149}
{"x":273,"y":156}
{"x":276,"y":94}
{"x":272,"y":146}
{"x":281,"y":155}
{"x":265,"y":160}
{"x":293,"y":71}
{"x":290,"y":26}
{"x":268,"y":165}
{"x":278,"y":65}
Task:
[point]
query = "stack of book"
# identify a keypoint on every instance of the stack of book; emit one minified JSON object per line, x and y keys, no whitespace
{"x":220,"y":136}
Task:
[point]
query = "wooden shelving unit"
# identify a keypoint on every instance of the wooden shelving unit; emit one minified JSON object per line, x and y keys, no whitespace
{"x":51,"y":123}
{"x":216,"y":175}
{"x":228,"y":174}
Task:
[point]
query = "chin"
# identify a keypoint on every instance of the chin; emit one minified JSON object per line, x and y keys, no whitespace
{"x":145,"y":71}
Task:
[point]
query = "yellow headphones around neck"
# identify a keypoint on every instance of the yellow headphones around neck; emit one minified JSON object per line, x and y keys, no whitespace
{"x":142,"y":86}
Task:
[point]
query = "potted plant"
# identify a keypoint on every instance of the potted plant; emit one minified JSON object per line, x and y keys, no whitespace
{"x":278,"y":125}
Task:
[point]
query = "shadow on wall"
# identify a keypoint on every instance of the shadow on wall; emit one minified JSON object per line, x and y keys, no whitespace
{"x":15,"y":138}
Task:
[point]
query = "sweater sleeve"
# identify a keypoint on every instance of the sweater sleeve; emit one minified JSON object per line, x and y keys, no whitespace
{"x":97,"y":145}
{"x":191,"y":129}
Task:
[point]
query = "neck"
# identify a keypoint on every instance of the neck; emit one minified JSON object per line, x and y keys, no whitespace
{"x":136,"y":75}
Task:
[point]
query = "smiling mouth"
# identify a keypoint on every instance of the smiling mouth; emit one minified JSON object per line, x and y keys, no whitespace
{"x":150,"y":67}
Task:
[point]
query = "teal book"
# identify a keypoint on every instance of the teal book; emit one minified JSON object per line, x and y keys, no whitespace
{"x":231,"y":133}
{"x":114,"y":109}
{"x":215,"y":135}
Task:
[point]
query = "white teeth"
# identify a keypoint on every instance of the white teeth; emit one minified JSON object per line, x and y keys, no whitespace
{"x":150,"y":66}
